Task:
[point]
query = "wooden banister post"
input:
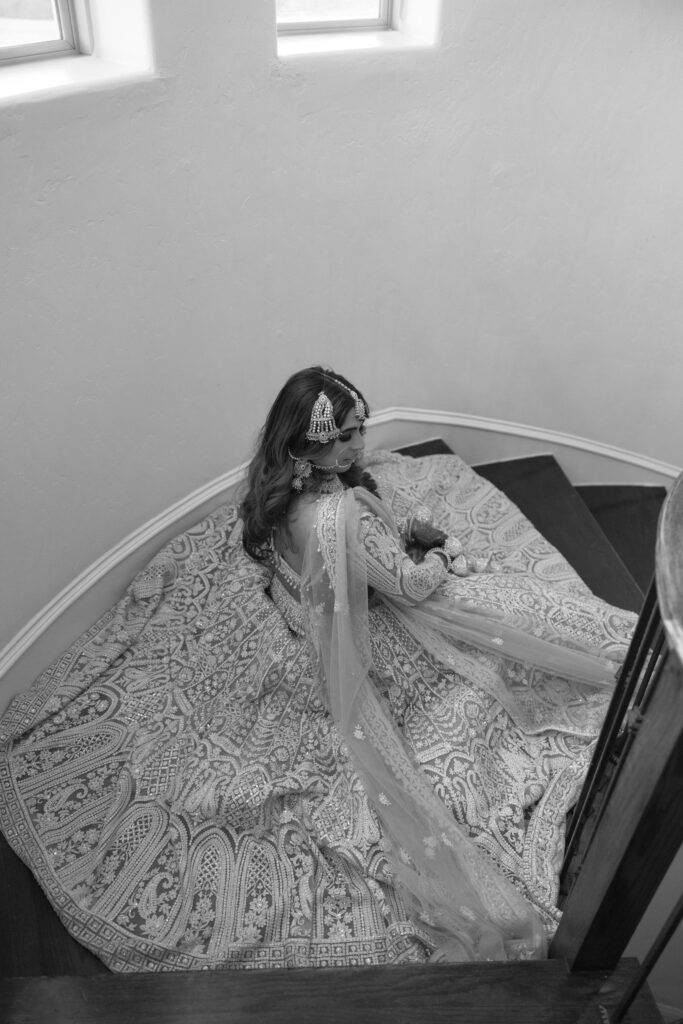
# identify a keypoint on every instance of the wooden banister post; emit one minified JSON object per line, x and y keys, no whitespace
{"x":640,"y":827}
{"x":636,"y":839}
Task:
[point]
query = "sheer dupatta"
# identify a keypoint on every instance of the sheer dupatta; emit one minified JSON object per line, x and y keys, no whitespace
{"x":467,"y":907}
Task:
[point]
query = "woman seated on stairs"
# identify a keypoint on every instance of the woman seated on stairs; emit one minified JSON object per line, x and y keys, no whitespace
{"x":339,"y":724}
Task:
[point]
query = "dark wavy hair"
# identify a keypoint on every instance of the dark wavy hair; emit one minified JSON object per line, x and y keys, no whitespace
{"x":269,"y":481}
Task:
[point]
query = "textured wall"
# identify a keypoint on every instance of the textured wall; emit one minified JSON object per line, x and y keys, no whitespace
{"x":491,"y":227}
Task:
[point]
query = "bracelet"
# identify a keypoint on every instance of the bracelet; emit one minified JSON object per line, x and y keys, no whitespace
{"x":422,"y":515}
{"x":445,"y":561}
{"x":451,"y":549}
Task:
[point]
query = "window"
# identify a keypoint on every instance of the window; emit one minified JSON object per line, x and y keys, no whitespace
{"x":313,"y":27}
{"x":66,"y":30}
{"x":302,"y":16}
{"x":36,"y":28}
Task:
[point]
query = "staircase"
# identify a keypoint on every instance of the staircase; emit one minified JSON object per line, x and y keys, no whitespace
{"x":607,"y":535}
{"x":481,"y":993}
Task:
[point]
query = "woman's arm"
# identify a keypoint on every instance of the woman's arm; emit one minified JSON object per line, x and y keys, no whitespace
{"x":391,"y":571}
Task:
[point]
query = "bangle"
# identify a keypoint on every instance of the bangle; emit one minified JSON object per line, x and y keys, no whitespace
{"x":443,"y":557}
{"x":422,"y":516}
{"x":452,"y":551}
{"x":454,"y":560}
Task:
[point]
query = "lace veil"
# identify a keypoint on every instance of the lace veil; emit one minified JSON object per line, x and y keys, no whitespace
{"x":466,"y":905}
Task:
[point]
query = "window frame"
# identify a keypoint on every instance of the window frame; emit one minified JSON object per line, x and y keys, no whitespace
{"x":384,"y":22}
{"x":65,"y":46}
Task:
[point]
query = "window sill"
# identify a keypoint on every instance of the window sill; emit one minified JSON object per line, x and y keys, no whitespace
{"x":345,"y":42}
{"x":63,"y":76}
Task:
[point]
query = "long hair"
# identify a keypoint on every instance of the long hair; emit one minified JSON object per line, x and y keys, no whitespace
{"x":271,"y":472}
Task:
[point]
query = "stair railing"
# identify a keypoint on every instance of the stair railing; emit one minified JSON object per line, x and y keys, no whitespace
{"x":628,"y":823}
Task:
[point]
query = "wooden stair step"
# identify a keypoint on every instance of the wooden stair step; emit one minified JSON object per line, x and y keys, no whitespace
{"x":628,"y":515}
{"x":545,"y":495}
{"x":539,"y":992}
{"x":542,"y":491}
{"x":33,"y":940}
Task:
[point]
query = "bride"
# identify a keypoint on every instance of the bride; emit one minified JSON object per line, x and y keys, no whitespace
{"x":340,"y":724}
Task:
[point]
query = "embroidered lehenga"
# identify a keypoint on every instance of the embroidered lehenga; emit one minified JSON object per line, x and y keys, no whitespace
{"x":244,"y":766}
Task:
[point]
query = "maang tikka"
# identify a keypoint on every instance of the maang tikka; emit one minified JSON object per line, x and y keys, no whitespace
{"x":322,"y":427}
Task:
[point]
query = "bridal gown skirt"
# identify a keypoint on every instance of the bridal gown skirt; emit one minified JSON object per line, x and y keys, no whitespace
{"x":176,"y":785}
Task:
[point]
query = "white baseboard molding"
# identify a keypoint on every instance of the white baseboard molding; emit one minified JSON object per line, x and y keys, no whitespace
{"x":99,"y":586}
{"x":476,"y":439}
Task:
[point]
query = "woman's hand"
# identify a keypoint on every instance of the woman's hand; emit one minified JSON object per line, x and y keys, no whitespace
{"x":426,"y":536}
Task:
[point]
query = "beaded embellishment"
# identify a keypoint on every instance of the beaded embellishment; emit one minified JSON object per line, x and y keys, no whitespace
{"x":322,"y":427}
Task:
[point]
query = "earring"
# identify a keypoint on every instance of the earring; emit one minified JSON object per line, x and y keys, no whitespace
{"x":302,"y":470}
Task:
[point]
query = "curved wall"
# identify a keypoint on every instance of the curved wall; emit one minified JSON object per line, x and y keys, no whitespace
{"x":478,"y":440}
{"x":491,"y":227}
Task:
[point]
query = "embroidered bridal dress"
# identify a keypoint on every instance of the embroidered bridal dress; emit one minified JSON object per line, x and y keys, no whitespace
{"x":369,"y":762}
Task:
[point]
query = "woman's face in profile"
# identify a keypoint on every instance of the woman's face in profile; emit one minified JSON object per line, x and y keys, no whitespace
{"x":348,"y":447}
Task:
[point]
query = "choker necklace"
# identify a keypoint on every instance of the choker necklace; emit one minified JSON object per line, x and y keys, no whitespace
{"x":329,"y":483}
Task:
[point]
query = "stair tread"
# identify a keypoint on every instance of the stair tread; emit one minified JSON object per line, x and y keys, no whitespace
{"x":628,"y":515}
{"x":544,"y":494}
{"x":33,"y":940}
{"x":541,"y":490}
{"x":435,"y":446}
{"x":537,"y":992}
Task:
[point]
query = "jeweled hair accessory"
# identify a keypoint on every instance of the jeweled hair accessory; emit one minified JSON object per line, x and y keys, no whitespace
{"x":359,"y":409}
{"x":302,"y":470}
{"x":322,"y":427}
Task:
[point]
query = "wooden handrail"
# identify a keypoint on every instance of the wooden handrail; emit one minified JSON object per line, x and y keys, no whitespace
{"x":630,"y":826}
{"x":669,"y":567}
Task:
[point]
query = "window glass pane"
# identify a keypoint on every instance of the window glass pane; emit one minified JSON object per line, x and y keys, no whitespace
{"x":28,"y":21}
{"x":327,"y":10}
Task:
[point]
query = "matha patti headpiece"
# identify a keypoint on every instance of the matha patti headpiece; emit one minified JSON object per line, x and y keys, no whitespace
{"x":322,"y":427}
{"x":359,"y":404}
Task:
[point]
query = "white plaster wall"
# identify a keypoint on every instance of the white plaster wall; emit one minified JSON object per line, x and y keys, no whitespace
{"x":493,"y":227}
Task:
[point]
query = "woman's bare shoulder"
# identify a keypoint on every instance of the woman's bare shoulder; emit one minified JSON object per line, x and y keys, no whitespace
{"x":292,"y":537}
